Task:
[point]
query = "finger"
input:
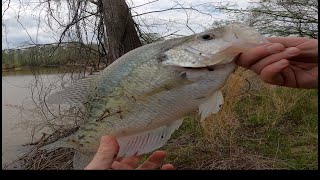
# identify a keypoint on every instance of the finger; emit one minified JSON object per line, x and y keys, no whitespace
{"x":168,"y":167}
{"x":307,"y":46}
{"x":253,"y":55}
{"x":286,"y":54}
{"x":287,"y":41}
{"x":154,"y":161}
{"x":272,"y":73}
{"x":121,"y":166}
{"x":105,"y":155}
{"x":132,"y":161}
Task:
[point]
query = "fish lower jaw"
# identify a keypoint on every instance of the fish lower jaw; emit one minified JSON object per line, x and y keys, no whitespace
{"x":209,"y":67}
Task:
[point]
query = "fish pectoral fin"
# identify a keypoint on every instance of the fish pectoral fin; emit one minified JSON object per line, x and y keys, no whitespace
{"x":212,"y":105}
{"x":147,"y":141}
{"x":75,"y":94}
{"x":81,"y":160}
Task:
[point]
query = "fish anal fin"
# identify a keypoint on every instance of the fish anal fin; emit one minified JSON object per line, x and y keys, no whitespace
{"x":147,"y":141}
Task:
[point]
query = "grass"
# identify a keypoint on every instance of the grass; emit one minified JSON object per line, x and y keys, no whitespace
{"x":261,"y":127}
{"x":286,"y":122}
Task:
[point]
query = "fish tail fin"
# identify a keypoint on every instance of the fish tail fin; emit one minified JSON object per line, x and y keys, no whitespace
{"x":81,"y":160}
{"x":64,"y":142}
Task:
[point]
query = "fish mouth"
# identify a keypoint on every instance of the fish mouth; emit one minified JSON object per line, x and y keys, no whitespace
{"x":209,"y":68}
{"x":209,"y":60}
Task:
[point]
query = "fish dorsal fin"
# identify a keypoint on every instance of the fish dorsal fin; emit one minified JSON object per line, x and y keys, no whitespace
{"x":147,"y":141}
{"x":75,"y":94}
{"x":212,"y":105}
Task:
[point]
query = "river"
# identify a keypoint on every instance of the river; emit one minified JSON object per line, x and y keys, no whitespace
{"x":17,"y":124}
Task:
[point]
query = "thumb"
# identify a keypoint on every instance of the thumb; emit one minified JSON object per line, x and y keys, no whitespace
{"x":105,"y":155}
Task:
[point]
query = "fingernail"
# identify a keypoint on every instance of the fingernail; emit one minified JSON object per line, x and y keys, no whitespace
{"x":106,"y":139}
{"x":291,"y":51}
{"x":275,"y":48}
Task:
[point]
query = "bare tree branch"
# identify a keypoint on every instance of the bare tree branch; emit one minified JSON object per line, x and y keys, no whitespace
{"x":169,"y":9}
{"x":26,"y":31}
{"x":6,"y":7}
{"x":143,"y":4}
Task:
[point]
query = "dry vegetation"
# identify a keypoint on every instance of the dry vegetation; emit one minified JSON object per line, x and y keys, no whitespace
{"x":259,"y":127}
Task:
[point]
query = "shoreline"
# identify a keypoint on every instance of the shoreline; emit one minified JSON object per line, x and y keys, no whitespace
{"x":20,"y":68}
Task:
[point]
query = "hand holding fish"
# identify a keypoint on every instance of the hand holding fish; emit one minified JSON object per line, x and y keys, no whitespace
{"x":108,"y":149}
{"x":288,"y":61}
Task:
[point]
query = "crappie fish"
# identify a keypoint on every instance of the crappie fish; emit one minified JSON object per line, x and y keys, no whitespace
{"x":142,"y":97}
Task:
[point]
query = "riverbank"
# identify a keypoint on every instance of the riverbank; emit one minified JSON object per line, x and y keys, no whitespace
{"x":22,"y":68}
{"x":28,"y":68}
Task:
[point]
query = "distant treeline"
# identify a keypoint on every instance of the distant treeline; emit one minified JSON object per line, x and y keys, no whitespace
{"x":50,"y":55}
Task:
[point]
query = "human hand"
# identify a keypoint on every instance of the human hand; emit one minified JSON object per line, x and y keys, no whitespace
{"x":287,"y":61}
{"x":105,"y":158}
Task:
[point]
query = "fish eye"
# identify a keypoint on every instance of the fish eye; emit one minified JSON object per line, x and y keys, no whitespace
{"x":207,"y":36}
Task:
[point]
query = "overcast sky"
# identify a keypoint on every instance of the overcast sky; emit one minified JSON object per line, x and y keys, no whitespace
{"x":20,"y":21}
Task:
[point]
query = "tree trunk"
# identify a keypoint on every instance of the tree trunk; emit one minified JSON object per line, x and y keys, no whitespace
{"x":122,"y":36}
